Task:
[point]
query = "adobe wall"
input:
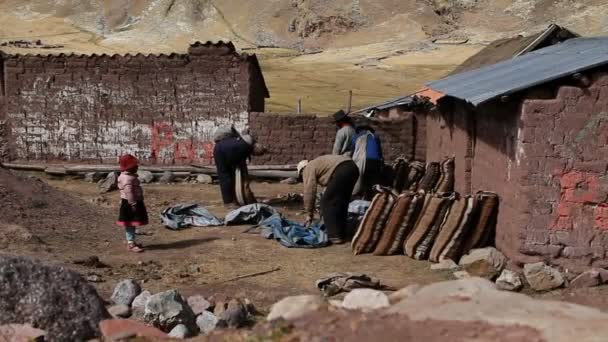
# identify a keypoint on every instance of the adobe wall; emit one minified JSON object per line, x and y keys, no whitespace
{"x":162,"y":108}
{"x":291,"y":138}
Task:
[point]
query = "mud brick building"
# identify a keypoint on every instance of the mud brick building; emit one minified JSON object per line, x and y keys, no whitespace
{"x":534,"y":129}
{"x":163,"y":108}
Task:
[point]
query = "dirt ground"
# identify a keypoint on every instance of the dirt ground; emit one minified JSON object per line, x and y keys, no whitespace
{"x":201,"y":260}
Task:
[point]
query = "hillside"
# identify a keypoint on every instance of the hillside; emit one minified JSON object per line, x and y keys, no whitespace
{"x":313,"y":49}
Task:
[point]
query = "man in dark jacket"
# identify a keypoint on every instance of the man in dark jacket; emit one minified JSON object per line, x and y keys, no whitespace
{"x":367,"y":146}
{"x":231,"y":151}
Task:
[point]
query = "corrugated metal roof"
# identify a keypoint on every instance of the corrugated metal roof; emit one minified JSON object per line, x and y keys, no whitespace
{"x":400,"y":101}
{"x":525,"y":71}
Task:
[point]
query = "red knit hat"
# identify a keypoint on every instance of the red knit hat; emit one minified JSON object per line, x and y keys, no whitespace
{"x":127,"y":162}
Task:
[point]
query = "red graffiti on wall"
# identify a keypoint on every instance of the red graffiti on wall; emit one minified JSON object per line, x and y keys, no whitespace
{"x":167,"y":149}
{"x":580,"y":191}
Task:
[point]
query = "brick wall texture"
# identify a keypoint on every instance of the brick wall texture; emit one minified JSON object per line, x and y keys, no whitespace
{"x":163,"y":108}
{"x":546,"y":158}
{"x":291,"y":138}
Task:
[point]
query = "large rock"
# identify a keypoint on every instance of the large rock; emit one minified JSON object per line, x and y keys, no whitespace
{"x":234,"y":314}
{"x":207,"y":322}
{"x":509,"y":281}
{"x":167,"y":309}
{"x":365,"y":299}
{"x":120,"y":311}
{"x":204,"y":179}
{"x":477,"y":300}
{"x":94,"y":177}
{"x":291,"y":308}
{"x":198,"y":304}
{"x":484,"y":262}
{"x":542,"y":277}
{"x":145,"y":176}
{"x":403,"y":293}
{"x":51,"y":298}
{"x":138,"y":306}
{"x":167,"y":177}
{"x":180,"y":331}
{"x":125,"y":292}
{"x":20,"y":333}
{"x":110,"y":183}
{"x":120,"y":329}
{"x":589,"y":278}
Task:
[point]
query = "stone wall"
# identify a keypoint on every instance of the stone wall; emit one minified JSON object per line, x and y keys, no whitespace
{"x":546,"y":158}
{"x":291,"y":138}
{"x":163,"y":108}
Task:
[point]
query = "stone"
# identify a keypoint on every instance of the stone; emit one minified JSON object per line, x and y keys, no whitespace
{"x":204,"y":179}
{"x":198,"y":304}
{"x":53,"y":298}
{"x":167,"y":177}
{"x":603,"y":275}
{"x":509,"y":281}
{"x":589,"y":278}
{"x":145,"y":176}
{"x":116,"y":329}
{"x":110,"y":183}
{"x":365,"y":299}
{"x":94,"y":177}
{"x":403,"y":293}
{"x":483,"y":262}
{"x":139,"y":303}
{"x":21,"y":333}
{"x":461,"y":275}
{"x":207,"y":322}
{"x":125,"y":292}
{"x":294,"y":307}
{"x":477,"y":300}
{"x":120,"y":311}
{"x":542,"y":277}
{"x":180,"y":331}
{"x":290,"y":181}
{"x":167,"y":309}
{"x":445,"y":265}
{"x":235,"y":314}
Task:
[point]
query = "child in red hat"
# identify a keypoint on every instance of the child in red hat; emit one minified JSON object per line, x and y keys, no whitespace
{"x":133,"y":211}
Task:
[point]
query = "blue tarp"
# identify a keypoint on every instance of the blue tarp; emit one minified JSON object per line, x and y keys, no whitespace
{"x":293,"y":235}
{"x":250,"y":214}
{"x":185,"y":215}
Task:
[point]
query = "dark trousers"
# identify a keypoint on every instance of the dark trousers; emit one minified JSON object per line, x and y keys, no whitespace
{"x":372,"y":175}
{"x":335,"y":200}
{"x":229,"y":154}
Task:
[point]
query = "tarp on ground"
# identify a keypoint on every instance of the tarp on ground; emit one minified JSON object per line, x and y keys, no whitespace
{"x":293,"y":235}
{"x":182,"y":216}
{"x":250,"y":214}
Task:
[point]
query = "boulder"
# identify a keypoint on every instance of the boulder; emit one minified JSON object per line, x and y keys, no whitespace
{"x":125,"y":292}
{"x":167,"y":177}
{"x":145,"y":176}
{"x":542,"y":277}
{"x":198,"y":304}
{"x":94,"y":177}
{"x":118,"y":329}
{"x":509,"y":281}
{"x":291,"y":308}
{"x":139,"y":304}
{"x":484,"y":262}
{"x":234,"y":315}
{"x":204,"y":179}
{"x":20,"y":333}
{"x":404,"y":293}
{"x":167,"y":309}
{"x":445,"y":265}
{"x":207,"y":322}
{"x":365,"y":299}
{"x":120,"y":311}
{"x":589,"y":278}
{"x":51,"y":298}
{"x":110,"y":183}
{"x":180,"y":331}
{"x":477,"y":300}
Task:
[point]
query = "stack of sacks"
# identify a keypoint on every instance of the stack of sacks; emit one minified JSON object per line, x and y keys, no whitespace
{"x":446,"y":179}
{"x":400,"y":171}
{"x":415,"y":174}
{"x":431,"y":176}
{"x":370,"y":229}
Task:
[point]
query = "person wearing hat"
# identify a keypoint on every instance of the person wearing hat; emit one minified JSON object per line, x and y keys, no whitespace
{"x":132,"y":212}
{"x":231,"y":152}
{"x":338,"y":174}
{"x":345,"y":134}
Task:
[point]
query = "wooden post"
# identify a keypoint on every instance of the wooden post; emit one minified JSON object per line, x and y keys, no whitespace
{"x":299,"y":106}
{"x":350,"y":101}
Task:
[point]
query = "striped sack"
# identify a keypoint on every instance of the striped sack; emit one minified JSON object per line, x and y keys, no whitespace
{"x":431,"y":176}
{"x":407,"y":224}
{"x":424,"y":223}
{"x":395,"y":219}
{"x":365,"y":231}
{"x":449,"y":227}
{"x":486,"y":211}
{"x":424,"y":248}
{"x":453,"y":249}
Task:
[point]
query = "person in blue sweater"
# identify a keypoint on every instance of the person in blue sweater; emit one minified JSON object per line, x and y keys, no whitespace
{"x":368,"y":156}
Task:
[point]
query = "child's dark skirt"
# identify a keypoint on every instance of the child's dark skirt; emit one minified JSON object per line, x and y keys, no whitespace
{"x":130,"y":216}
